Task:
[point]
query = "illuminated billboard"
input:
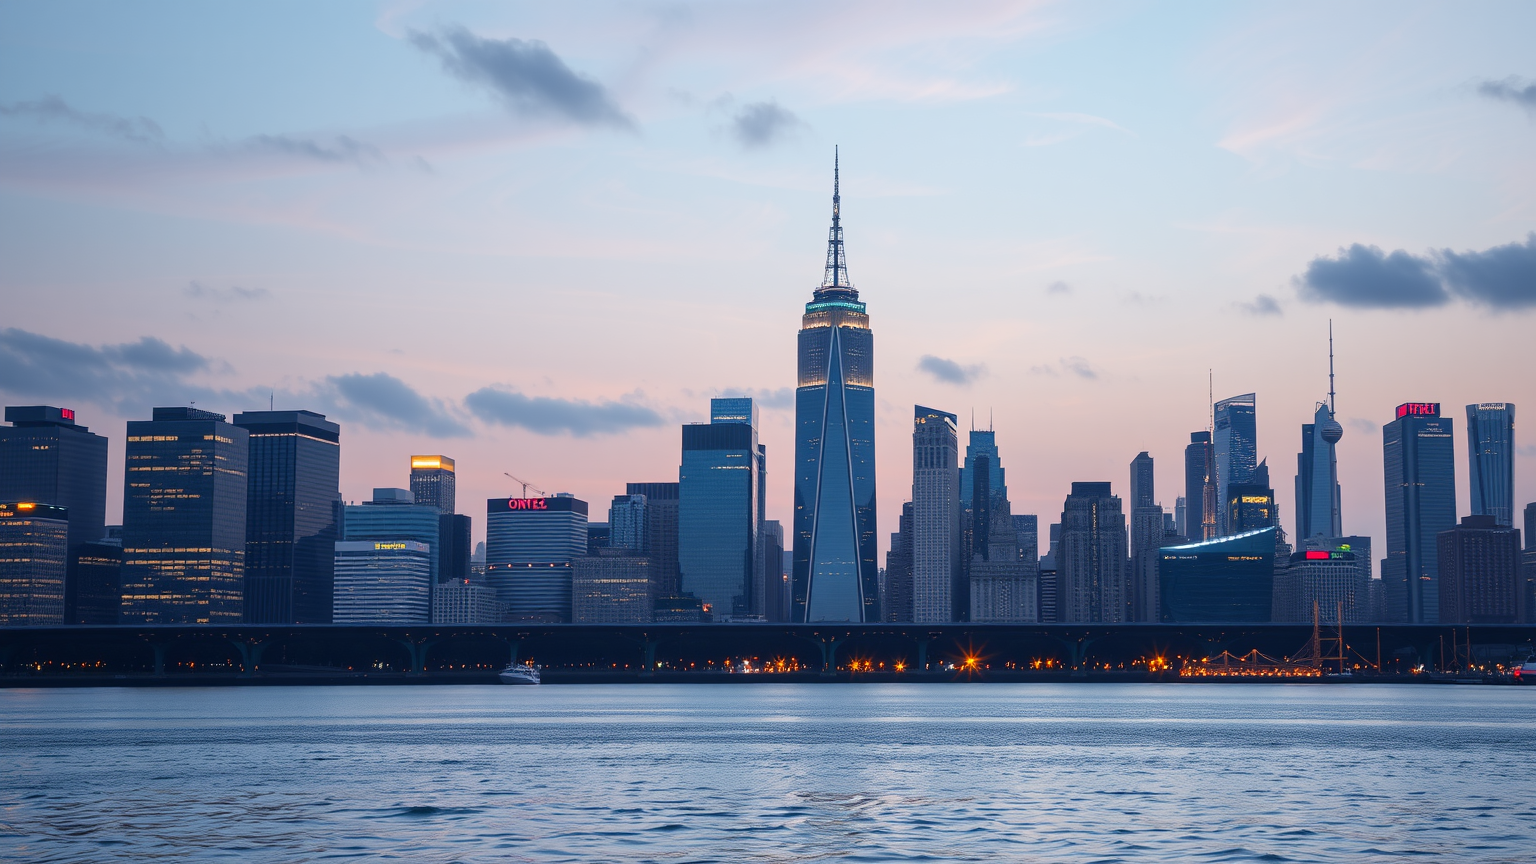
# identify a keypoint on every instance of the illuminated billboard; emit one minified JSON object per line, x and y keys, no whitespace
{"x":1419,"y":409}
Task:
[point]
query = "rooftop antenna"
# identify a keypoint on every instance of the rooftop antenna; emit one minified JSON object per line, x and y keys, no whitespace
{"x":1330,"y":367}
{"x":989,"y":420}
{"x":271,"y":400}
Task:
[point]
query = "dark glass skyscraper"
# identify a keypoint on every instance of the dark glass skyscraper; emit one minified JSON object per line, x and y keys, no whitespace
{"x":1227,"y":580}
{"x":290,"y":516}
{"x":1420,"y":478}
{"x":46,"y":458}
{"x":1491,"y":460}
{"x":661,"y":500}
{"x":184,"y":504}
{"x":1318,"y":507}
{"x":1236,"y":447}
{"x":1194,"y":482}
{"x":719,"y":516}
{"x":835,"y":576}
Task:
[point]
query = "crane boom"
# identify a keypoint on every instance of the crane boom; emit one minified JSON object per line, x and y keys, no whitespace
{"x":526,"y":485}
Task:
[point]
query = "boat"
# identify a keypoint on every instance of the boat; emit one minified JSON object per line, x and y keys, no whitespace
{"x":1525,"y":673}
{"x":520,"y":673}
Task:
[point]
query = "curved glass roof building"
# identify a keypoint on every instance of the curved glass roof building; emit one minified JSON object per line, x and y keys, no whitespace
{"x":1229,"y":580}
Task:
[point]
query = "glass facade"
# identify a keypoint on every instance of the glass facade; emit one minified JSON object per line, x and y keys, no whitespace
{"x":661,"y":507}
{"x":718,"y":549}
{"x":292,"y":501}
{"x":626,"y":522}
{"x":184,"y":505}
{"x":1194,"y":482}
{"x":1318,"y":500}
{"x":529,"y":546}
{"x":935,"y":550}
{"x":392,"y":517}
{"x":1230,"y":580}
{"x":34,"y":549}
{"x":1420,"y":478}
{"x":1491,"y":460}
{"x":383,"y":582}
{"x":1236,"y":446}
{"x":433,"y":482}
{"x":98,"y":590}
{"x":611,"y":589}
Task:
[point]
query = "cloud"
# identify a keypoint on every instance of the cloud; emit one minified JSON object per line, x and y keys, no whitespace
{"x":1500,"y":278}
{"x":762,"y":124}
{"x":1058,"y":287}
{"x":528,"y":77}
{"x":384,"y":401}
{"x":1503,"y":277}
{"x":1068,"y":366}
{"x":224,"y":295}
{"x":949,"y":371}
{"x":1363,"y":276}
{"x":344,"y":148}
{"x":1510,"y":90}
{"x":131,"y":377}
{"x":784,"y":397}
{"x":140,"y":130}
{"x":1261,"y":306}
{"x":550,"y":416}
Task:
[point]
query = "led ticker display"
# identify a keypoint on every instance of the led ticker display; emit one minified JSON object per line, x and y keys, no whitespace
{"x":1419,"y":409}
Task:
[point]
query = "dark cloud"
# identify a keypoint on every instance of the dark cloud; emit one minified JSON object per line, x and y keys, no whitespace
{"x":525,"y":74}
{"x":1261,"y":306}
{"x":340,"y":149}
{"x":761,"y":124}
{"x":1503,"y":277}
{"x":949,"y":371}
{"x":140,"y":130}
{"x":381,"y":400}
{"x":549,"y":416}
{"x":130,"y":377}
{"x":1058,"y":287}
{"x":224,"y":295}
{"x":1364,"y":276}
{"x":1510,"y":90}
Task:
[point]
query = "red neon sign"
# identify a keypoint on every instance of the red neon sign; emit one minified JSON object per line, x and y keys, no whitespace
{"x":527,"y":504}
{"x":1425,"y":409}
{"x":1316,"y":555}
{"x":68,"y":413}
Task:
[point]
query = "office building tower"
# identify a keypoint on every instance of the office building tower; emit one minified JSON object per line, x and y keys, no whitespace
{"x":382,"y":582}
{"x":896,"y":604}
{"x":936,"y":564}
{"x":661,"y":513}
{"x":294,"y":484}
{"x":1049,"y":608}
{"x":1318,"y":497}
{"x":1227,"y":580}
{"x":393,"y":514}
{"x":433,"y":483}
{"x":1197,"y":456}
{"x":1491,"y":460}
{"x":775,"y":580}
{"x":1234,"y":445}
{"x":1251,"y":506}
{"x":1026,"y":530}
{"x":597,"y":537}
{"x":1002,"y":588}
{"x":719,"y":514}
{"x":1322,"y":577}
{"x":626,"y":523}
{"x":1181,"y":516}
{"x":98,"y":587}
{"x":834,"y":506}
{"x":1528,"y":567}
{"x":34,"y":555}
{"x":477,"y":562}
{"x":612,"y":586}
{"x":454,"y":532}
{"x":529,"y":546}
{"x":1420,"y":480}
{"x":1147,"y":534}
{"x":184,"y":506}
{"x":1091,"y":560}
{"x":466,"y":601}
{"x":1480,"y":572}
{"x":983,"y":483}
{"x":47,"y":458}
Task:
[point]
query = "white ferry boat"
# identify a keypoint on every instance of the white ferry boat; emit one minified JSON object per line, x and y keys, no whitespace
{"x":520,"y":673}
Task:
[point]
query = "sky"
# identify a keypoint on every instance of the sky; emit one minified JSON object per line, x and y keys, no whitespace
{"x":539,"y":237}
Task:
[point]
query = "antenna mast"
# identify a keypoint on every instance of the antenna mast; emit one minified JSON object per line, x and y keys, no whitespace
{"x":1330,"y":367}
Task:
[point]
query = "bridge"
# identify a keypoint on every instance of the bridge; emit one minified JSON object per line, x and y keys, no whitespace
{"x":249,"y":653}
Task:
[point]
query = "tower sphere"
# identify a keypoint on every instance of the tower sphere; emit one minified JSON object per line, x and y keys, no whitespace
{"x":1332,"y":431}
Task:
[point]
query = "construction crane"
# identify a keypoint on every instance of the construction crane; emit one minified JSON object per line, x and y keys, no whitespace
{"x":526,"y":486}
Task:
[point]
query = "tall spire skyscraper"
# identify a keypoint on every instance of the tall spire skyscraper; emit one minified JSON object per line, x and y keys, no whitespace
{"x":834,"y":543}
{"x":1317,"y":469}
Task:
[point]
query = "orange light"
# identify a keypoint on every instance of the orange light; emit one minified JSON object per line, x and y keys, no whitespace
{"x":27,"y":506}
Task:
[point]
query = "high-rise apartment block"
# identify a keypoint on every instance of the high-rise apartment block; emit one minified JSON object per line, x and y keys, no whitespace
{"x":1491,"y":460}
{"x":382,"y":582}
{"x":292,"y":504}
{"x":835,"y":577}
{"x":1480,"y":573}
{"x":1420,"y":478}
{"x":936,"y":564}
{"x":1091,"y":561}
{"x":48,"y":458}
{"x":720,"y":511}
{"x":1235,"y":445}
{"x":433,"y":482}
{"x":184,"y":519}
{"x":529,"y":546}
{"x":34,"y":551}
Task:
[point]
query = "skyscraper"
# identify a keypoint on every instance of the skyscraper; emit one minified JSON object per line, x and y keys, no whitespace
{"x":529,"y":546}
{"x":719,"y":514}
{"x":611,"y":586}
{"x":1251,"y":506}
{"x":1491,"y":460}
{"x":661,"y":505}
{"x":936,"y":562}
{"x":34,"y":545}
{"x":896,"y":606}
{"x":290,"y":516}
{"x":46,"y":458}
{"x":1480,"y":572}
{"x":392,"y":515}
{"x":1142,"y":488}
{"x":184,"y":502}
{"x":1226,"y":580}
{"x":983,"y":484}
{"x":382,"y":582}
{"x":1235,"y":445}
{"x":1318,"y":507}
{"x":433,"y":483}
{"x":626,"y":523}
{"x":1196,"y":456}
{"x":835,"y":576}
{"x":1002,"y":588}
{"x":1146,"y":539}
{"x":1420,"y":478}
{"x":1091,"y":559}
{"x":775,"y":586}
{"x":1049,"y":595}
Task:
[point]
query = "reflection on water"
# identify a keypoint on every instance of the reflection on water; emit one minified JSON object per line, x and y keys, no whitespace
{"x":770,"y":772}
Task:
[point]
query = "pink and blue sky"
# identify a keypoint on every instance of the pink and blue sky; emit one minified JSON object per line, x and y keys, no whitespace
{"x":538,"y":237}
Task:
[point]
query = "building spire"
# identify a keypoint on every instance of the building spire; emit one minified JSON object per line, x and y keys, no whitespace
{"x":1330,"y":367}
{"x":836,"y":276}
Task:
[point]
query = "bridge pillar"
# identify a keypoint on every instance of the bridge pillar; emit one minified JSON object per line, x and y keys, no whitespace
{"x":159,"y":648}
{"x":648,"y":664}
{"x":828,"y":646}
{"x":250,"y":655}
{"x":417,"y":649}
{"x":922,"y":655}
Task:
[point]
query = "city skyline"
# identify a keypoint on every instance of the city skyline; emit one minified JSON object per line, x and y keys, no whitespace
{"x":565,"y":341}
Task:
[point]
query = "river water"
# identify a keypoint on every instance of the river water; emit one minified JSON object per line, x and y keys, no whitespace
{"x":771,"y":772}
